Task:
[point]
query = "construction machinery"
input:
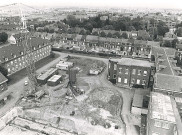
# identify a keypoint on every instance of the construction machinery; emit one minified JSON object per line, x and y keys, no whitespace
{"x":29,"y":54}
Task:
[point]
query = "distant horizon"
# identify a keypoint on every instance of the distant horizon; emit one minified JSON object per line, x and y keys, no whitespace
{"x":143,"y":4}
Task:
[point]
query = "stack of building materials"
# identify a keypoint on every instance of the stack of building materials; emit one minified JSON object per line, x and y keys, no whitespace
{"x":62,"y":65}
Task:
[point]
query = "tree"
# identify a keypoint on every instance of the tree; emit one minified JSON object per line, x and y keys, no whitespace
{"x":3,"y":37}
{"x":109,"y":35}
{"x":174,"y":42}
{"x":179,"y":32}
{"x":162,"y":28}
{"x":124,"y":35}
{"x":103,"y":34}
{"x":82,"y":32}
{"x":167,"y":44}
{"x":95,"y":33}
{"x":117,"y":35}
{"x":88,"y":26}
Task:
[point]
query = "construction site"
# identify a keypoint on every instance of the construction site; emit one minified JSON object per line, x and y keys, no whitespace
{"x":67,"y":101}
{"x":72,"y":96}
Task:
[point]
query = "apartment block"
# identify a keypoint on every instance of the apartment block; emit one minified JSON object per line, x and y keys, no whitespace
{"x":12,"y":55}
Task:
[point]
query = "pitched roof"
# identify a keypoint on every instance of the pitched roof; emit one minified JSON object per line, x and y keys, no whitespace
{"x":133,"y":62}
{"x":2,"y":78}
{"x":163,"y":57}
{"x":9,"y":50}
{"x":168,"y":82}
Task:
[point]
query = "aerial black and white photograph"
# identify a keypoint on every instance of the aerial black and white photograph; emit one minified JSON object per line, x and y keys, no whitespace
{"x":91,"y":67}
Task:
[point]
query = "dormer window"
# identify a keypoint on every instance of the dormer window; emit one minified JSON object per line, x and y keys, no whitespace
{"x":21,"y":53}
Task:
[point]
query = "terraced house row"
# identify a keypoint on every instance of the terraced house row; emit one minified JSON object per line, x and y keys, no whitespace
{"x":128,"y":47}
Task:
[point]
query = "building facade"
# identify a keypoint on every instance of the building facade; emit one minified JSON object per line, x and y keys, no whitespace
{"x":12,"y":55}
{"x":89,"y":43}
{"x":130,"y":72}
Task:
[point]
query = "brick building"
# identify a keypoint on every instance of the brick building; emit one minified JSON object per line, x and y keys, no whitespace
{"x":12,"y":55}
{"x":131,"y":72}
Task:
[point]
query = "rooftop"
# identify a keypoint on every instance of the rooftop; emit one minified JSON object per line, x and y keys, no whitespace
{"x":137,"y":101}
{"x":47,"y":74}
{"x":161,"y":107}
{"x":54,"y":78}
{"x":164,"y":60}
{"x":168,"y":82}
{"x":10,"y":50}
{"x":133,"y":62}
{"x":2,"y":78}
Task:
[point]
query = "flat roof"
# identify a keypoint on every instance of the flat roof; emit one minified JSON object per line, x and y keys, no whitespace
{"x":168,"y":82}
{"x":54,"y":78}
{"x":133,"y":62}
{"x":137,"y":101}
{"x":47,"y":74}
{"x":161,"y":107}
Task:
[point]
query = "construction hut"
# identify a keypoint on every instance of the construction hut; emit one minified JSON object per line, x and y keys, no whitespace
{"x":54,"y":80}
{"x":42,"y":78}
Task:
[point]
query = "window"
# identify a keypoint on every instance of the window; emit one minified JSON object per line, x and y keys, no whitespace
{"x":109,"y":65}
{"x":143,"y":82}
{"x":157,"y":124}
{"x":115,"y":66}
{"x":133,"y":80}
{"x":144,"y":73}
{"x":120,"y":70}
{"x":134,"y":71}
{"x":125,"y":80}
{"x":155,"y":134}
{"x":165,"y":125}
{"x":138,"y":81}
{"x":119,"y":79}
{"x":114,"y":76}
{"x":9,"y":70}
{"x":139,"y":72}
{"x":126,"y":71}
